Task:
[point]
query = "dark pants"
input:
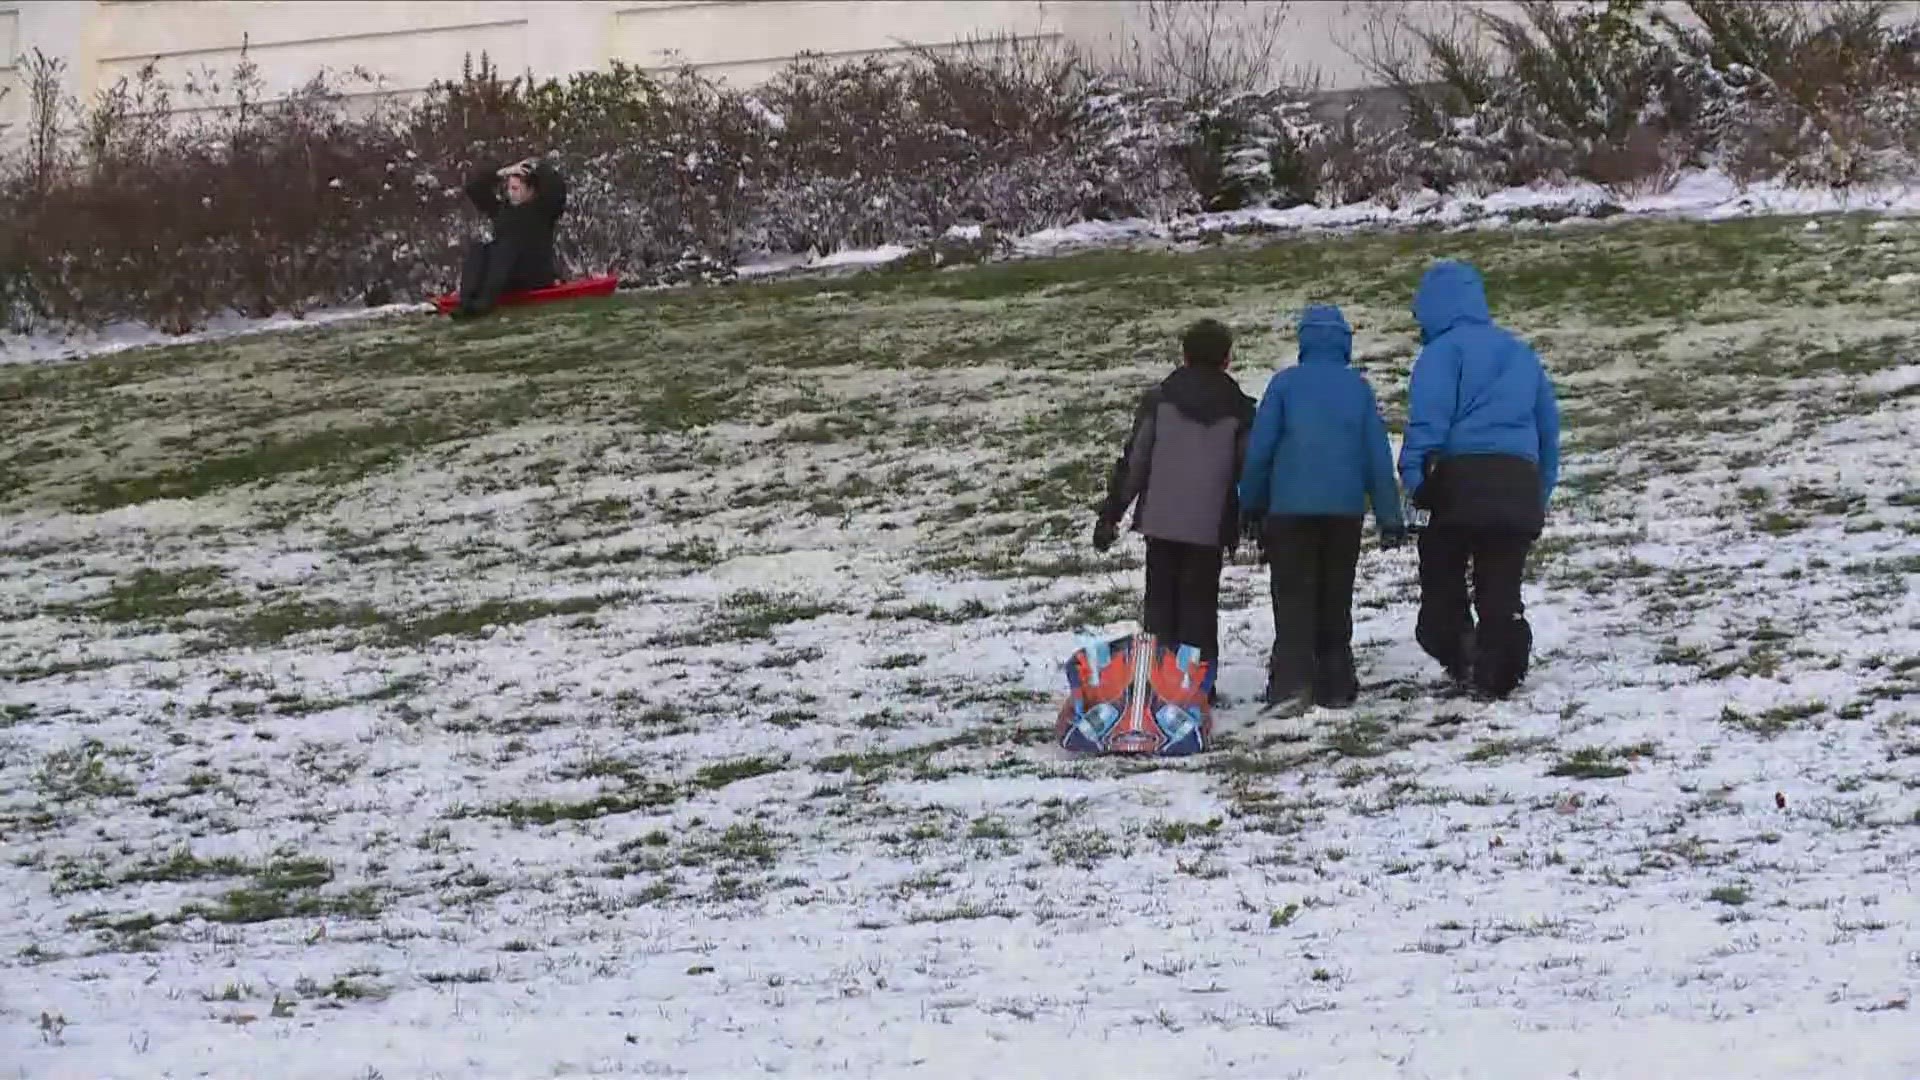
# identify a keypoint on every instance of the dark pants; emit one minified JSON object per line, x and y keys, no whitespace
{"x":1312,"y":563}
{"x":490,"y":268}
{"x":1183,"y":596}
{"x":1491,"y":657}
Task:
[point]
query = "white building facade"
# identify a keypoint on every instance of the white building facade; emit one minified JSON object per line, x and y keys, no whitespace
{"x":411,"y":44}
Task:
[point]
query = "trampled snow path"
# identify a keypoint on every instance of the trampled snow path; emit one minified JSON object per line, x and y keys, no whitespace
{"x":1705,"y":196}
{"x":673,"y":699}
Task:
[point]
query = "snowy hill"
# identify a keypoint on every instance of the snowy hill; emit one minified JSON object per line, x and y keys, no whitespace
{"x":663,"y":687}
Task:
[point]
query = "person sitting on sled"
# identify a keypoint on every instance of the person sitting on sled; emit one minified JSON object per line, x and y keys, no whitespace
{"x":520,"y":255}
{"x":1181,"y":460}
{"x":1317,"y":457}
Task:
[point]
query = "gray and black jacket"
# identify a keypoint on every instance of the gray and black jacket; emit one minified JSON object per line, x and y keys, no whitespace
{"x":1182,"y":460}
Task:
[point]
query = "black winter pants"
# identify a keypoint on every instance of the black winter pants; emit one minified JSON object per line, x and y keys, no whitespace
{"x":1183,"y":596}
{"x":1493,"y":656}
{"x":490,"y":269}
{"x":1312,"y":561}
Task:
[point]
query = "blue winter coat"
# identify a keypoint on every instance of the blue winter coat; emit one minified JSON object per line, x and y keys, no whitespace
{"x":1318,"y":444}
{"x":1475,"y":388}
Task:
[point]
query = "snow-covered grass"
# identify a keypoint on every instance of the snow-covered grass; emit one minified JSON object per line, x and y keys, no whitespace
{"x":663,"y":687}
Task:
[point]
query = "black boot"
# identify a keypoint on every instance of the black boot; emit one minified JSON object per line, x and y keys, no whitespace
{"x":471,"y":309}
{"x":1282,"y":701}
{"x":1335,"y":686}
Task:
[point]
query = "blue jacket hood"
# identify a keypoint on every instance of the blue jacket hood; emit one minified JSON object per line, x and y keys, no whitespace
{"x":1318,"y":444}
{"x":1450,"y":293}
{"x":1325,"y":335}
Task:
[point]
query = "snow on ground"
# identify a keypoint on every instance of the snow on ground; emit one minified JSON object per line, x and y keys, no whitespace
{"x":1696,"y":195}
{"x":665,"y":688}
{"x":121,"y":337}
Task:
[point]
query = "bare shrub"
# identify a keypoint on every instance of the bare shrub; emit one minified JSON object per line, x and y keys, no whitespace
{"x":250,"y":206}
{"x":1206,"y":51}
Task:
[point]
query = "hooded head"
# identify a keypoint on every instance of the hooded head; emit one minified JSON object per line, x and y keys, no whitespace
{"x":1450,"y":293}
{"x":1325,"y":335}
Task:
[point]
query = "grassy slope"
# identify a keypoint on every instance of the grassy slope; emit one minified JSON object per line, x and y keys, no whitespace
{"x":380,"y":662}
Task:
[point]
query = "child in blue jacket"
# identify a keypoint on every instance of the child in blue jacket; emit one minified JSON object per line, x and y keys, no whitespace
{"x":1481,"y":456}
{"x":1317,"y":457}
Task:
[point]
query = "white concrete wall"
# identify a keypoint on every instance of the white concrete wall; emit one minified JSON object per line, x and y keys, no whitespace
{"x":11,"y":87}
{"x":410,"y":44}
{"x":1323,"y":39}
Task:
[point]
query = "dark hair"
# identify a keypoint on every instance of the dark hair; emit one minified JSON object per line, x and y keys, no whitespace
{"x":1207,"y":344}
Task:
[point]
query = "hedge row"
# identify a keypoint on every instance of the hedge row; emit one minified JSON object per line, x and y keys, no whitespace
{"x":263,"y":207}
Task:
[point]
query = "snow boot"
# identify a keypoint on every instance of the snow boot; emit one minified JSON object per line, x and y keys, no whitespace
{"x":1335,"y":686}
{"x":1283,"y":705}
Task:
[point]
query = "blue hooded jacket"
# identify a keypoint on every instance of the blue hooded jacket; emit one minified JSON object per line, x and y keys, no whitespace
{"x":1318,"y":444}
{"x":1475,"y":388}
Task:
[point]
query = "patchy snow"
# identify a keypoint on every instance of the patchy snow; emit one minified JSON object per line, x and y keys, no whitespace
{"x":761,"y":112}
{"x":692,"y":718}
{"x":1707,"y":196}
{"x":838,"y":260}
{"x":1701,"y":195}
{"x":42,"y":348}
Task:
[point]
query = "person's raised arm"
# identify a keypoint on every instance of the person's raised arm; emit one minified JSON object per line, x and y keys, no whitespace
{"x":552,"y":187}
{"x":482,"y":187}
{"x":1433,"y":392}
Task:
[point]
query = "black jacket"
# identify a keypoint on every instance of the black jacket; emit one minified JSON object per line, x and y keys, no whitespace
{"x":1182,"y":460}
{"x":522,"y":235}
{"x":1487,"y":491}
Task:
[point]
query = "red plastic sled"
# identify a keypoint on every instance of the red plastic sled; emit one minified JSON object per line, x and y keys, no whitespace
{"x":566,"y":290}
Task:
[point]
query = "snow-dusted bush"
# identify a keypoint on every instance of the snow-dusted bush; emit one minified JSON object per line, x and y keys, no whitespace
{"x":1554,"y":93}
{"x":1251,"y":149}
{"x":268,"y":207}
{"x":256,"y":208}
{"x":1822,"y":98}
{"x":1625,"y":93}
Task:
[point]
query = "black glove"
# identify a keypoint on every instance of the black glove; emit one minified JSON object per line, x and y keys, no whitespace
{"x":1427,"y":495}
{"x":1392,"y":538}
{"x":1104,"y":534}
{"x":1253,"y":532}
{"x":1253,"y":529}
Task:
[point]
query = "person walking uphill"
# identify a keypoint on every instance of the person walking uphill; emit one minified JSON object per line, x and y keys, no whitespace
{"x":1180,"y":463}
{"x":520,"y":255}
{"x":1317,"y":456}
{"x":1481,"y":455}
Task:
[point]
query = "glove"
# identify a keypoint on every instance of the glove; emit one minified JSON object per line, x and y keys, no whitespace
{"x":1425,"y":496}
{"x":1104,"y":534}
{"x":1253,"y":532}
{"x":1392,"y":538}
{"x":1253,"y":529}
